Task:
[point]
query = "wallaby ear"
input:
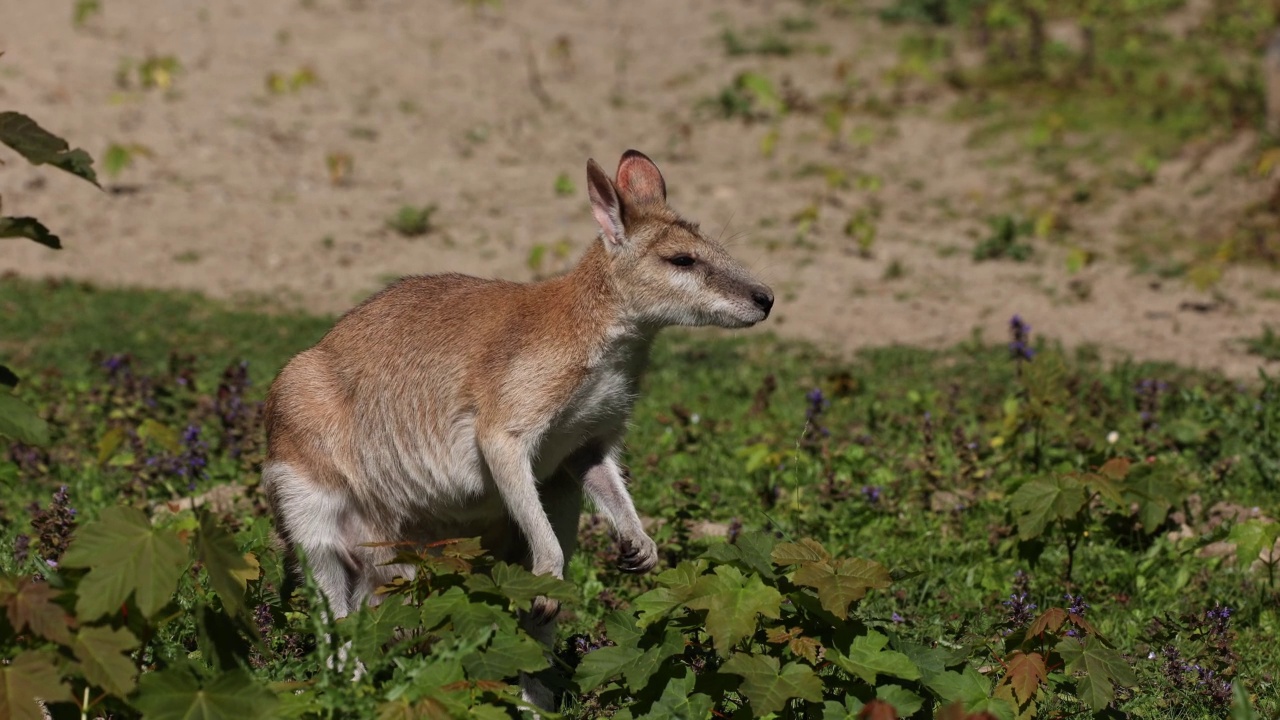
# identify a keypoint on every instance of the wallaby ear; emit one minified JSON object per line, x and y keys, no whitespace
{"x":639,"y":181}
{"x":605,"y":205}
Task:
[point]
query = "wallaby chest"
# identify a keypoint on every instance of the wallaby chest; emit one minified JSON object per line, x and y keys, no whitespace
{"x":597,"y":408}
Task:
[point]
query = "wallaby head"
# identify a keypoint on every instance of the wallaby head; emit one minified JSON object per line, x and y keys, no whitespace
{"x":663,"y":268}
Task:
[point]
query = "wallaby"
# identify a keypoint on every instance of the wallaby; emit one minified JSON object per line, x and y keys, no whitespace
{"x":447,"y":406}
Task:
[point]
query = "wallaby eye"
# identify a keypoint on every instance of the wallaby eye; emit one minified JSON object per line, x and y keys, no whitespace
{"x":681,"y":260}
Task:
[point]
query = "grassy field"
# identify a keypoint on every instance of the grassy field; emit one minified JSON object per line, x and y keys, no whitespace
{"x":982,"y":487}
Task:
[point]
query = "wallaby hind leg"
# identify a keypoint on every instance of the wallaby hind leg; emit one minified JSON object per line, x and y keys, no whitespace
{"x":314,"y":523}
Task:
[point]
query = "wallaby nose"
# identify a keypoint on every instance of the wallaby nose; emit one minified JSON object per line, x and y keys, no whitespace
{"x":763,"y":298}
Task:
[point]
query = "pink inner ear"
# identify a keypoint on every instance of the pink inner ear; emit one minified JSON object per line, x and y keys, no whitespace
{"x":639,"y":180}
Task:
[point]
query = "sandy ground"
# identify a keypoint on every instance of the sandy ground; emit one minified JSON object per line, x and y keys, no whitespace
{"x":477,"y":108}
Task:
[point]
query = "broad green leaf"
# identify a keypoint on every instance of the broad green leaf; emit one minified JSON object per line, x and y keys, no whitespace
{"x":850,"y":709}
{"x":805,"y":551}
{"x":125,"y":556}
{"x":468,"y":617}
{"x":110,"y":441}
{"x":1102,"y":668}
{"x":377,"y":626}
{"x":19,"y":422}
{"x":41,"y":147}
{"x":1043,"y":500}
{"x":679,"y":702}
{"x":751,"y":552}
{"x":903,"y":700}
{"x":519,"y":585}
{"x":867,"y":658}
{"x":30,"y":604}
{"x":177,"y":695}
{"x":967,"y":687}
{"x":101,"y":654}
{"x":842,"y":582}
{"x":29,"y":676}
{"x":603,"y":664}
{"x":769,"y":686}
{"x":677,"y":586}
{"x":1251,"y":538}
{"x":31,"y":229}
{"x":1241,"y":706}
{"x":506,"y":657}
{"x":1155,"y":491}
{"x":634,"y":663}
{"x":226,"y":566}
{"x":732,"y":602}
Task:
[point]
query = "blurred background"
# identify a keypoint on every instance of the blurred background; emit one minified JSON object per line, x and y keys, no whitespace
{"x":901,"y":171}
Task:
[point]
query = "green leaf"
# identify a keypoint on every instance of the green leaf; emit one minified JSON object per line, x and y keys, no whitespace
{"x":751,"y":552}
{"x":1155,"y":489}
{"x":805,"y":551}
{"x":1251,"y":538}
{"x":677,"y":587}
{"x":30,"y":604}
{"x":163,"y":435}
{"x":1103,"y":669}
{"x":680,"y":702}
{"x":519,"y":585}
{"x":903,"y":700}
{"x":225,"y":564}
{"x":842,"y":582}
{"x":850,"y":709}
{"x":867,"y":658}
{"x":126,"y":556}
{"x":603,"y":664}
{"x":769,"y":686}
{"x":19,"y":422}
{"x":101,"y":654}
{"x":29,"y":676}
{"x":41,"y":147}
{"x":968,"y":687}
{"x":468,"y":617}
{"x":1043,"y":500}
{"x":177,"y":695}
{"x":732,"y":602}
{"x":506,"y":657}
{"x":1241,"y":707}
{"x":31,"y":229}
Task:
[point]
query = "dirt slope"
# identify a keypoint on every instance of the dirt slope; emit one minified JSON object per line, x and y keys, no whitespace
{"x":477,"y":108}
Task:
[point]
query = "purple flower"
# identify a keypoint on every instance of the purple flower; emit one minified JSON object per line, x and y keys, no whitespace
{"x":871,"y":493}
{"x":1020,"y":345}
{"x":896,"y":618}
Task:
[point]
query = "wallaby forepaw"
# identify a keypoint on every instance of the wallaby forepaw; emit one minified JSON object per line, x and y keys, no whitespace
{"x":638,"y":556}
{"x":544,"y":610}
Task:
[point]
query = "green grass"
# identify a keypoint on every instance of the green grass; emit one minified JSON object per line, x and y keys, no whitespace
{"x":920,"y":461}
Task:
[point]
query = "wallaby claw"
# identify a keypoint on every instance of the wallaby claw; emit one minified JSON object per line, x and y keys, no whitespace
{"x":544,"y":610}
{"x":638,"y":556}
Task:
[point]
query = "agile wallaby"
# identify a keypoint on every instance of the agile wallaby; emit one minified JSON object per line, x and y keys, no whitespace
{"x":449,"y":406}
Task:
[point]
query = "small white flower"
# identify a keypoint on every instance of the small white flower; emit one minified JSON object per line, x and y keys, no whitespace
{"x":694,"y":419}
{"x":1113,"y":437}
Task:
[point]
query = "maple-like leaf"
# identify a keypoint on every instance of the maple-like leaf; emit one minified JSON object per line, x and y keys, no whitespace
{"x":1102,"y":668}
{"x":1048,"y":622}
{"x":1024,"y":673}
{"x":677,"y":586}
{"x":805,"y":551}
{"x":101,"y":654}
{"x":519,"y":585}
{"x":769,"y":685}
{"x":176,"y":694}
{"x":229,"y":569}
{"x":867,"y":658}
{"x":750,"y":552}
{"x":842,"y":582}
{"x":28,"y":677}
{"x":30,"y":604}
{"x":732,"y":602}
{"x":507,"y":656}
{"x":1043,"y":500}
{"x":125,"y":556}
{"x":679,"y":702}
